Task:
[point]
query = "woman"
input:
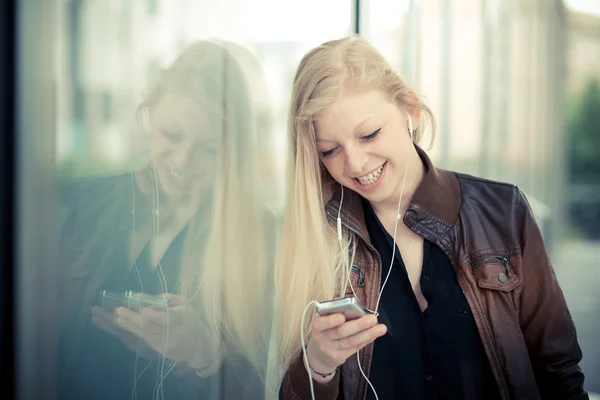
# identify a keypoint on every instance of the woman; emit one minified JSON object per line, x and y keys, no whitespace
{"x":471,"y":307}
{"x":186,"y":231}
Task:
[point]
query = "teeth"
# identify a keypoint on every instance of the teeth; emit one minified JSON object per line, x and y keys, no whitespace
{"x":372,"y":177}
{"x":177,"y":175}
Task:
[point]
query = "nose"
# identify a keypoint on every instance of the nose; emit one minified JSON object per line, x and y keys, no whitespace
{"x":356,"y":159}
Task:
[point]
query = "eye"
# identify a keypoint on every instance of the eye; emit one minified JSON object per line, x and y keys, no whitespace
{"x":372,"y":135}
{"x":173,"y":136}
{"x":328,"y":152}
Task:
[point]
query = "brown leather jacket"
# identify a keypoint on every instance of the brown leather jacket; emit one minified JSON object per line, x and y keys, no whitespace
{"x":489,"y":234}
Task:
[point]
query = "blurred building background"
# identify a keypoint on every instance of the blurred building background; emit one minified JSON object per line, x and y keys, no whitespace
{"x":514,"y":84}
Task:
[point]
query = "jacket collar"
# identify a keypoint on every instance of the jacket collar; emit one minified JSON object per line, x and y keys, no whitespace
{"x":433,"y":209}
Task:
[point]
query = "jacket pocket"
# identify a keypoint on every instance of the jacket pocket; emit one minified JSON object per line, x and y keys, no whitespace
{"x":495,"y":272}
{"x":357,"y":280}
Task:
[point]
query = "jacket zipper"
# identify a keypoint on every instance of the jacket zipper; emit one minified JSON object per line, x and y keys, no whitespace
{"x":503,"y":260}
{"x":361,"y":275}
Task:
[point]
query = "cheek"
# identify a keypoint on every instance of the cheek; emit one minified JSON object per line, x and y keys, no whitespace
{"x":203,"y":163}
{"x":157,"y":154}
{"x":335,"y":167}
{"x":394,"y":141}
{"x":159,"y":147}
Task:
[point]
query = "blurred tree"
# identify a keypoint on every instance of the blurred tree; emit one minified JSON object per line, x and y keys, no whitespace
{"x":584,"y":162}
{"x":584,"y":136}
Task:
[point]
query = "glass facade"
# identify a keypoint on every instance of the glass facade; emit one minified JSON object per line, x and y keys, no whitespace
{"x":504,"y":79}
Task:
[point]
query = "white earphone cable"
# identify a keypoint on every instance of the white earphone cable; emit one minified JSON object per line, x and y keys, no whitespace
{"x":340,"y":238}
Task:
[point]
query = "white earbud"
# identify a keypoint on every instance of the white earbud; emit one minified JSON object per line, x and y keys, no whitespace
{"x":410,"y":127}
{"x":339,"y":217}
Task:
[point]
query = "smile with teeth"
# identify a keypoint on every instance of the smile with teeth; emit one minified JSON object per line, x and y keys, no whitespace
{"x":370,"y":178}
{"x":178,"y":176}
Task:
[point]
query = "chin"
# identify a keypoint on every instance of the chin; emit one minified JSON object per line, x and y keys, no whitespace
{"x":372,"y":197}
{"x":173,"y":193}
{"x":382,"y":194}
{"x":167,"y":188}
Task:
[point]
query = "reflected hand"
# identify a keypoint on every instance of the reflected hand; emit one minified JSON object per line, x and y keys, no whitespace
{"x":106,"y":320}
{"x":175,"y":332}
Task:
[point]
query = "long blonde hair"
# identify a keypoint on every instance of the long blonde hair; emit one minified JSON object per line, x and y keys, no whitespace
{"x":310,"y":263}
{"x":225,"y":264}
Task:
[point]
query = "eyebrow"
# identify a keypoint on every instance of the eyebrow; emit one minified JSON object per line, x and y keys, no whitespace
{"x":354,"y":131}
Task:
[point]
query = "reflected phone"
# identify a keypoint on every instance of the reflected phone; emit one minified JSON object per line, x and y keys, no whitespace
{"x":132,"y":300}
{"x":349,"y":306}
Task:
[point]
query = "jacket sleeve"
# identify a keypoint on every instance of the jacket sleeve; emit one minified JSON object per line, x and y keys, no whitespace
{"x":296,"y":385}
{"x":545,"y":319}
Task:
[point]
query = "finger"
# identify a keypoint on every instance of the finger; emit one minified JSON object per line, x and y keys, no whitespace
{"x":110,"y":327}
{"x":105,"y":319}
{"x":105,"y":326}
{"x":324,"y":323}
{"x":362,"y":338}
{"x":163,"y":318}
{"x":175,"y":300}
{"x":129,"y":326}
{"x":126,"y":317}
{"x":352,"y":327}
{"x":101,"y":313}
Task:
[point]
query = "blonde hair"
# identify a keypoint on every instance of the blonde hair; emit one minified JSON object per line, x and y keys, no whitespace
{"x":310,"y":263}
{"x":226,"y":263}
{"x":226,"y":275}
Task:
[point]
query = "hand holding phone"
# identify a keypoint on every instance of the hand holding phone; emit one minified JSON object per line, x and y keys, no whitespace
{"x":341,"y":328}
{"x":105,"y":320}
{"x":168,"y":324}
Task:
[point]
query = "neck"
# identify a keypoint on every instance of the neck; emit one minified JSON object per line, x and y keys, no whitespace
{"x":414,"y":176}
{"x":145,"y":180}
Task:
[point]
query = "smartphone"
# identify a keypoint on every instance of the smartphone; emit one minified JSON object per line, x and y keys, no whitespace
{"x":349,"y":306}
{"x":132,"y":300}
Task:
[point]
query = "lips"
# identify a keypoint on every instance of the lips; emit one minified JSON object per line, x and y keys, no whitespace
{"x":179,"y":177}
{"x":370,"y":177}
{"x":371,"y":180}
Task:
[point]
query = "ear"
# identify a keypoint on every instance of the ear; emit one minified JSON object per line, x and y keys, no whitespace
{"x":415,"y":115}
{"x":406,"y":103}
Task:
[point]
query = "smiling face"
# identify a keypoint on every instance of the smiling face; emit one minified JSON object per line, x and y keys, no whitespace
{"x":362,"y":140}
{"x":183,"y":147}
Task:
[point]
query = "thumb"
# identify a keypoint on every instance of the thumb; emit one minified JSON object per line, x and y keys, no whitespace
{"x":174,"y":299}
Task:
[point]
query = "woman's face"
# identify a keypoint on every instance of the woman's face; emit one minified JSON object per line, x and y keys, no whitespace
{"x":183,"y":148}
{"x":362,"y":140}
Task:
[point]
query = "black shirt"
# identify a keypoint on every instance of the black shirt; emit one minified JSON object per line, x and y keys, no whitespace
{"x":434,"y":354}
